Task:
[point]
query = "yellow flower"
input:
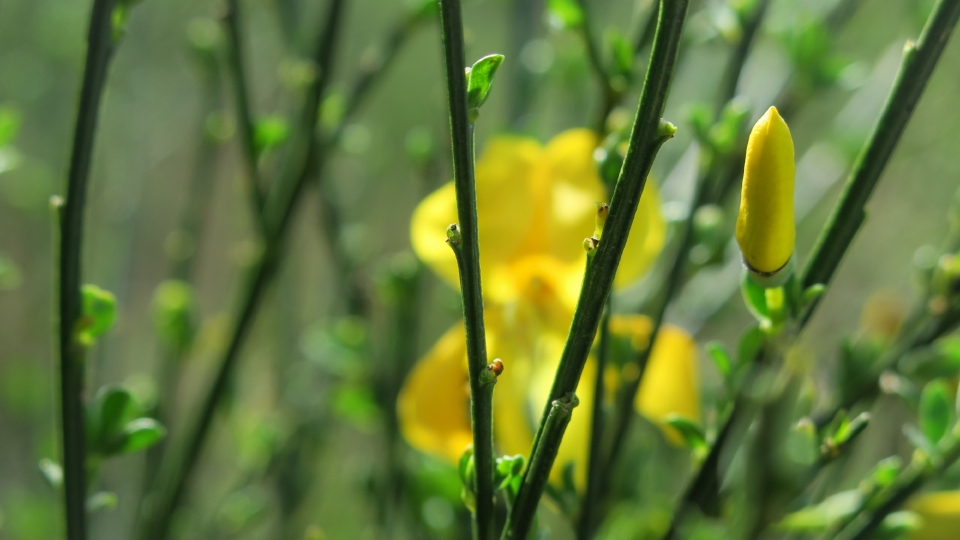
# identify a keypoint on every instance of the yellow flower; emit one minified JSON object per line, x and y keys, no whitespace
{"x":941,"y":515}
{"x":535,"y":205}
{"x":765,"y":225}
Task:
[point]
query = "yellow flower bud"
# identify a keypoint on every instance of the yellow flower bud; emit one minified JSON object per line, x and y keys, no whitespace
{"x":765,"y":225}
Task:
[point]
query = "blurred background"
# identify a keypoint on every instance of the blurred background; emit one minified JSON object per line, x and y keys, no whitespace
{"x":305,"y":440}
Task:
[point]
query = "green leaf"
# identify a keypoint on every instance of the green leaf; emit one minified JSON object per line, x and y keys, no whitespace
{"x":621,"y":55}
{"x":898,"y":525}
{"x":99,"y":314}
{"x":113,"y":407}
{"x":10,"y":121}
{"x":936,"y":410}
{"x":480,"y":79}
{"x":52,"y":472}
{"x":102,"y":500}
{"x":690,"y":431}
{"x":356,"y":404}
{"x":886,"y":472}
{"x":270,"y":132}
{"x":565,"y":13}
{"x":919,"y":440}
{"x":755,"y":297}
{"x":803,"y":445}
{"x":821,"y":517}
{"x":137,"y":435}
{"x":721,"y":359}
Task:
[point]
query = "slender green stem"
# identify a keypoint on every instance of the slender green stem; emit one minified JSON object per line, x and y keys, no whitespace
{"x":279,"y":207}
{"x":591,"y":496}
{"x":649,"y":133}
{"x":610,"y":95}
{"x":919,"y":60}
{"x":241,"y":98}
{"x":867,"y":523}
{"x":731,"y":76}
{"x":72,"y":354}
{"x":468,"y":259}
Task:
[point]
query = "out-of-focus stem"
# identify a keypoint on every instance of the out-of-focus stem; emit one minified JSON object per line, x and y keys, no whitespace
{"x":278,"y":209}
{"x":72,"y":354}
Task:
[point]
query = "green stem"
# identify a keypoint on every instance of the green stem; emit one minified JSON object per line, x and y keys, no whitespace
{"x":610,"y":95}
{"x":731,"y":76}
{"x":72,"y":354}
{"x":919,"y":60}
{"x":649,"y":133}
{"x":591,"y":496}
{"x":278,"y":210}
{"x":867,"y":523}
{"x":241,"y":100}
{"x":468,"y":259}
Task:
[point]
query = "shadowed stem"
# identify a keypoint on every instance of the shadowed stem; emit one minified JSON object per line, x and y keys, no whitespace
{"x":610,"y":95}
{"x":468,"y":261}
{"x":279,"y":207}
{"x":241,"y":98}
{"x":919,"y":60}
{"x":72,"y":354}
{"x":649,"y":133}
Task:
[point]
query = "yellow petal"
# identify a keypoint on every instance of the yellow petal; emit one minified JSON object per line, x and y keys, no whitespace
{"x":505,"y":176}
{"x":765,"y":224}
{"x":941,"y":515}
{"x":670,"y":383}
{"x":434,"y":404}
{"x":647,"y":236}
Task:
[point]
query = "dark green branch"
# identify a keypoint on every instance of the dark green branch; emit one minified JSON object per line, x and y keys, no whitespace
{"x":848,"y":215}
{"x":649,"y":133}
{"x":468,"y":258}
{"x":241,"y":100}
{"x":72,"y":354}
{"x":591,"y":496}
{"x":279,"y":207}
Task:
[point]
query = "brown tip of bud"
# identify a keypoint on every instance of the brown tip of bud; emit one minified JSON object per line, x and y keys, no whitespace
{"x":496,"y":367}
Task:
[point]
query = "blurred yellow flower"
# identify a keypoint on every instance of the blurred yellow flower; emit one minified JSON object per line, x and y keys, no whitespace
{"x":765,"y":224}
{"x":940,"y":512}
{"x":535,"y":206}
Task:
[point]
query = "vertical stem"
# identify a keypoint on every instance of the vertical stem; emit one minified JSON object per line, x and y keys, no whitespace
{"x":919,"y":60}
{"x":649,"y":134}
{"x":72,"y":361}
{"x":468,"y":258}
{"x":241,"y":99}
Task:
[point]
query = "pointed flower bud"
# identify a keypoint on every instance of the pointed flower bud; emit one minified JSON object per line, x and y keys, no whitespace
{"x":765,"y":225}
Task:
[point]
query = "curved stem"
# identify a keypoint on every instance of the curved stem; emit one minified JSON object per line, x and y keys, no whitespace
{"x":649,"y":133}
{"x":468,"y":260}
{"x":72,"y":354}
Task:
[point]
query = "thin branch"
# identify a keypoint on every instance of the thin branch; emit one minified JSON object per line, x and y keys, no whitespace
{"x":594,"y":489}
{"x":649,"y":133}
{"x":231,"y":18}
{"x":72,"y":354}
{"x":467,"y":250}
{"x":919,"y":60}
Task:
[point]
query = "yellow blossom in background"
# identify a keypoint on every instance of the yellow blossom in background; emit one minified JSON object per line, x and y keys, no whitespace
{"x":940,"y":512}
{"x":535,"y":205}
{"x":765,"y":224}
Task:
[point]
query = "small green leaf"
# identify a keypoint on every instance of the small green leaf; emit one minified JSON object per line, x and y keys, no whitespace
{"x":803,"y":445}
{"x":99,"y":314}
{"x":749,"y":345}
{"x":721,"y":359}
{"x":621,"y":57}
{"x":755,"y":297}
{"x":114,"y":406}
{"x":102,"y":500}
{"x":936,"y":409}
{"x":137,"y":435}
{"x":821,"y":517}
{"x":480,"y":79}
{"x":270,"y":132}
{"x":886,"y":472}
{"x":691,"y":432}
{"x":810,"y":294}
{"x":940,"y":360}
{"x":918,"y":439}
{"x":10,"y":121}
{"x":565,"y":13}
{"x":52,"y":472}
{"x":898,"y":525}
